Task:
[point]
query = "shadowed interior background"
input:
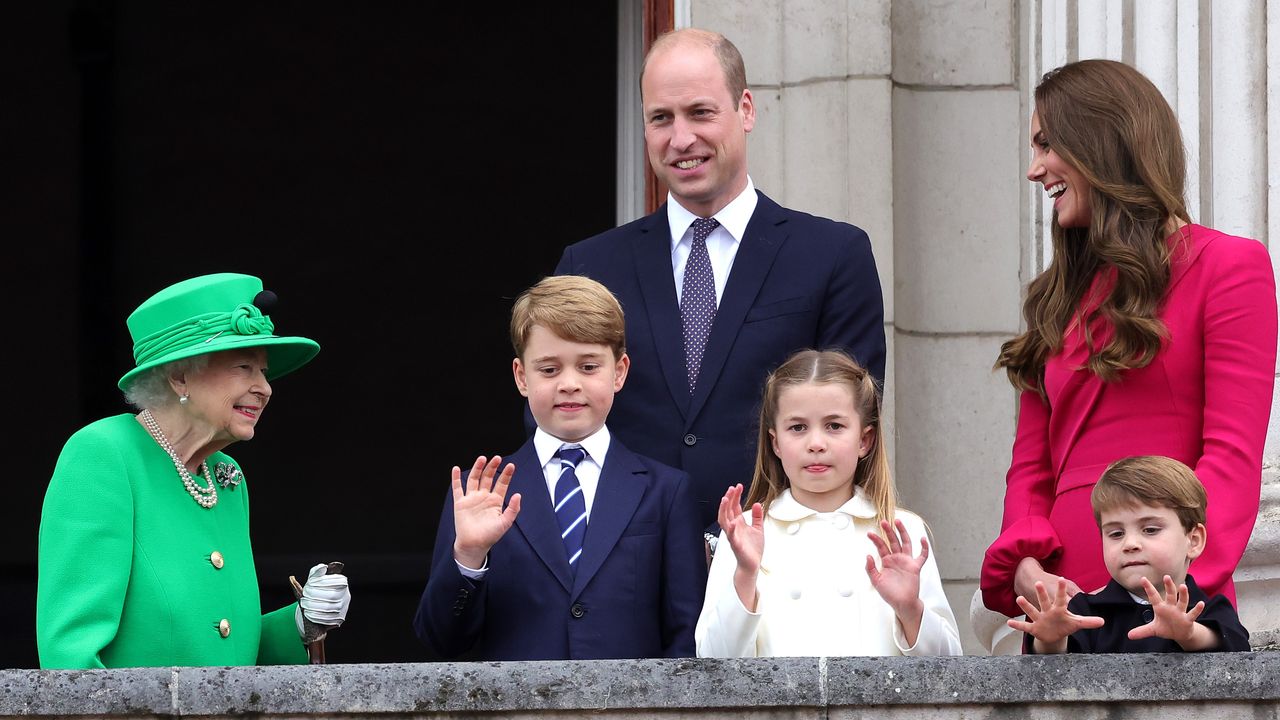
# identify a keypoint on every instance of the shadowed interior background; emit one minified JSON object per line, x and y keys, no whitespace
{"x":395,"y":171}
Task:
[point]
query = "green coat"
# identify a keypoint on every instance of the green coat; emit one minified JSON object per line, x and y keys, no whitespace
{"x":126,"y":575}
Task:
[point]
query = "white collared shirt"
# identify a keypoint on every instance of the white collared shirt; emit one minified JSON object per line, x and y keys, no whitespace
{"x":722,"y":243}
{"x":588,"y":471}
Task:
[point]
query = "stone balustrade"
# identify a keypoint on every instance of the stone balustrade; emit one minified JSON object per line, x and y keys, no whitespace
{"x":1223,"y":686}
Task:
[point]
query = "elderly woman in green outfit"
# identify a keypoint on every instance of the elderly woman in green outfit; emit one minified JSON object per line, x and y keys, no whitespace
{"x":145,"y":558}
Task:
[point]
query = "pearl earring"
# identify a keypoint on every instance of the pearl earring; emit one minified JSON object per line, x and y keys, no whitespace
{"x":184,"y":399}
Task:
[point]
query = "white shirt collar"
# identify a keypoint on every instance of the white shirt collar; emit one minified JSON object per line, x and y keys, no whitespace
{"x":733,"y":217}
{"x":596,"y":445}
{"x":785,"y":508}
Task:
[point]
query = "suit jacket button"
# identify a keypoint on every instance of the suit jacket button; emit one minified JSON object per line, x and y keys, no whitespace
{"x":690,"y":439}
{"x":577,"y":610}
{"x":224,"y":627}
{"x":215,"y":559}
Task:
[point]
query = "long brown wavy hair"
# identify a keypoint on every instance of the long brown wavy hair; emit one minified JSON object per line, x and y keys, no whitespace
{"x":1110,"y":123}
{"x":825,"y":367}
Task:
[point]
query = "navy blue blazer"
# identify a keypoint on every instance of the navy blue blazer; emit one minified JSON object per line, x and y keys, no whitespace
{"x":638,"y":589}
{"x":1122,"y":614}
{"x":798,"y":281}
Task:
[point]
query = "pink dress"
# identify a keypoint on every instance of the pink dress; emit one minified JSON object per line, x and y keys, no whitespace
{"x":1204,"y":400}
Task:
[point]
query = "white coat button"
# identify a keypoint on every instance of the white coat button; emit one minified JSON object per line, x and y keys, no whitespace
{"x":793,"y":528}
{"x":845,"y":591}
{"x":841,"y":522}
{"x":795,"y":593}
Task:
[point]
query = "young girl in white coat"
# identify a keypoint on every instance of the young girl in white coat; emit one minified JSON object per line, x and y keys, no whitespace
{"x":788,"y":577}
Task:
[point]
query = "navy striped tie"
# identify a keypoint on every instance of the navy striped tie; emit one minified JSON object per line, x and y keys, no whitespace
{"x":571,"y":507}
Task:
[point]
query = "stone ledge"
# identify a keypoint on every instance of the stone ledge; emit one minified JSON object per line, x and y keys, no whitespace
{"x":773,"y":687}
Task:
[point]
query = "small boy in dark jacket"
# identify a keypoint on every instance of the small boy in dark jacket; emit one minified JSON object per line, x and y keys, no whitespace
{"x":1151,"y":512}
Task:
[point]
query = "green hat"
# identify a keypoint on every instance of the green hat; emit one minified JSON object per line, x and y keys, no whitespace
{"x":207,"y":314}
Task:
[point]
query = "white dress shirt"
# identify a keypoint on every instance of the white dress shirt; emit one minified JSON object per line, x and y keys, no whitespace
{"x":596,"y":446}
{"x":722,"y":243}
{"x":814,"y":596}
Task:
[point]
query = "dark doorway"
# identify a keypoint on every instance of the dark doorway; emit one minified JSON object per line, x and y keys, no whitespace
{"x":396,"y":171}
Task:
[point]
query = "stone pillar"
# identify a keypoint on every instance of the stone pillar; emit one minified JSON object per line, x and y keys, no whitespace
{"x":823,"y":140}
{"x":957,"y":126}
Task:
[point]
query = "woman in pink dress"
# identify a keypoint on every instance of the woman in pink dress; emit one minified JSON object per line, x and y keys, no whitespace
{"x":1147,"y":335}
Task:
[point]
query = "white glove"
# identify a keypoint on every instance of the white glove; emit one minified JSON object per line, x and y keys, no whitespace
{"x":325,"y":597}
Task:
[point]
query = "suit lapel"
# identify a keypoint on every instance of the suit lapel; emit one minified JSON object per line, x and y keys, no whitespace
{"x":652,"y":248}
{"x":537,"y":521}
{"x":623,"y":481}
{"x":765,"y":234}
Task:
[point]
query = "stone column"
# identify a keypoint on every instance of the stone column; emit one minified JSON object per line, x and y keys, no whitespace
{"x":819,"y":73}
{"x":958,"y":125}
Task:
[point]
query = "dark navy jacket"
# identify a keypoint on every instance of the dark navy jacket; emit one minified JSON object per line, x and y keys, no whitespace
{"x":798,"y":281}
{"x":639,"y":584}
{"x":1122,"y":614}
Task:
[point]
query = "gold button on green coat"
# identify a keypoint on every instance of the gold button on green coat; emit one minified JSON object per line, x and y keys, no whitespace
{"x":216,"y":559}
{"x":224,"y":627}
{"x":115,"y":490}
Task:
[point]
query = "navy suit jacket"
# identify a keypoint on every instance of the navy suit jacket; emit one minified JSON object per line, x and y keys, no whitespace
{"x":639,"y":584}
{"x":798,"y":281}
{"x":1122,"y":614}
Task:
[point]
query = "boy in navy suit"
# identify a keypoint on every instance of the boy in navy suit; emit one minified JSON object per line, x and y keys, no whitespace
{"x":598,"y":551}
{"x":1150,"y":510}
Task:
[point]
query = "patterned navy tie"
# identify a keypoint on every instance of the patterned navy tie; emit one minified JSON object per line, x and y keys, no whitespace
{"x":571,"y":507}
{"x":697,"y":299}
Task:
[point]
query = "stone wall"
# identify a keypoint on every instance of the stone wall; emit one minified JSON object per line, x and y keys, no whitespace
{"x":1223,"y":686}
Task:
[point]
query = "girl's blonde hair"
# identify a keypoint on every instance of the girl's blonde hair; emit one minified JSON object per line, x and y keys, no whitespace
{"x":824,"y":367}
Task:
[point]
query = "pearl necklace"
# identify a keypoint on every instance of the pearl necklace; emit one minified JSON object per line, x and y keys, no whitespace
{"x":206,"y":497}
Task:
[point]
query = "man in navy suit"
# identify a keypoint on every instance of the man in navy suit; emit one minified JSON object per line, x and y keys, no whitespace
{"x":783,"y":280}
{"x":521,"y":579}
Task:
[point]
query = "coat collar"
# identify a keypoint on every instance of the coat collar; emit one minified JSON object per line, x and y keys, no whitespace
{"x":1113,"y":593}
{"x":785,"y":508}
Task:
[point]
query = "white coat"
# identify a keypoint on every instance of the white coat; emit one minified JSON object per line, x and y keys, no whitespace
{"x":815,"y":598}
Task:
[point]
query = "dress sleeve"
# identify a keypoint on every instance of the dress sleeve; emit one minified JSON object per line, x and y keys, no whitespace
{"x":279,"y":642}
{"x":85,"y":554}
{"x":1028,"y":498}
{"x":939,"y":634}
{"x":853,"y":310}
{"x":725,"y":628}
{"x":1239,"y":377}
